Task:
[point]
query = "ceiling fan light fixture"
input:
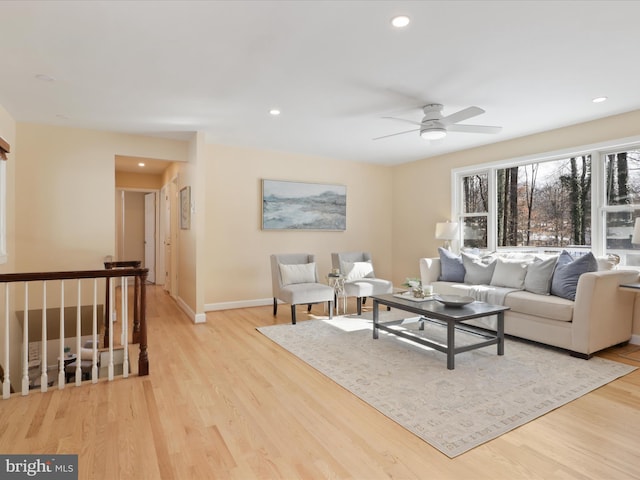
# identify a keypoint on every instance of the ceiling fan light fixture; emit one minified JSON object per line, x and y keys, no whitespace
{"x":433,"y":133}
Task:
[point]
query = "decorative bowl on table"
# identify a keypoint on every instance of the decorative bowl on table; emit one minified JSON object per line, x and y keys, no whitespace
{"x":453,"y":300}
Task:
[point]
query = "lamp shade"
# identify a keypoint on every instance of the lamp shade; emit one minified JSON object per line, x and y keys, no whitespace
{"x":635,"y":237}
{"x":448,"y":230}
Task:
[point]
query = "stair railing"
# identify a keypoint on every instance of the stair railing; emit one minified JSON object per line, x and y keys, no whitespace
{"x":47,"y":283}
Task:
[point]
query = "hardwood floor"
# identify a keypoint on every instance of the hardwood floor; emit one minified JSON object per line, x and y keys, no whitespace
{"x":223,"y":401}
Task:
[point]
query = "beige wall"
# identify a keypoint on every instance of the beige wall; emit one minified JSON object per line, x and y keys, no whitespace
{"x":65,"y":182}
{"x":142,"y":181}
{"x":236,"y":251}
{"x":425,"y":185}
{"x":133,"y":238}
{"x":8,"y":133}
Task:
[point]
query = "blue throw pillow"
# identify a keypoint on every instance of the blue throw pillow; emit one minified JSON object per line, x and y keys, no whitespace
{"x":451,"y":268}
{"x":565,"y":277}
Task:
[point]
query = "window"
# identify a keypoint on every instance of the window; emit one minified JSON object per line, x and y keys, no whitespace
{"x":622,"y":200}
{"x":545,"y":204}
{"x":582,"y":200}
{"x":475,"y":200}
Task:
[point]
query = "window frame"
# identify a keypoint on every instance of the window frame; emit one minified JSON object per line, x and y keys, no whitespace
{"x":597,"y":151}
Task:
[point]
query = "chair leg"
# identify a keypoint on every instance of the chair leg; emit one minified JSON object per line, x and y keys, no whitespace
{"x":309,"y":308}
{"x":359,"y":303}
{"x":364,"y":300}
{"x":275,"y":306}
{"x":293,"y":314}
{"x":330,"y":309}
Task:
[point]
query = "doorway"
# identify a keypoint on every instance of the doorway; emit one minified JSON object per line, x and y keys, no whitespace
{"x":136,"y":226}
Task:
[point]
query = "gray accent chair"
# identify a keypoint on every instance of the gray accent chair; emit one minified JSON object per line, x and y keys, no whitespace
{"x":364,"y":287}
{"x":305,"y":290}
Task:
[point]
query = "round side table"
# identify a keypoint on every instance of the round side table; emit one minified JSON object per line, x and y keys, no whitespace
{"x":336,"y":281}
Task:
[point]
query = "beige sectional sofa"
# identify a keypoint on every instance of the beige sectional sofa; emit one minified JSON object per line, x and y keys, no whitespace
{"x":600,"y":316}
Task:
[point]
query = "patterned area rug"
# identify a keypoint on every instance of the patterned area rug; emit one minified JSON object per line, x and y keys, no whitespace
{"x":453,"y":410}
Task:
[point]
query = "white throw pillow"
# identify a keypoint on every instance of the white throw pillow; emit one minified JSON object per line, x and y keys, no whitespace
{"x":539,"y":275}
{"x":509,"y":274}
{"x":356,"y":270}
{"x":298,"y":273}
{"x":477,"y":272}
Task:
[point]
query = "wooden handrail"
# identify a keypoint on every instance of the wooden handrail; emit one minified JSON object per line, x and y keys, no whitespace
{"x":71,"y":275}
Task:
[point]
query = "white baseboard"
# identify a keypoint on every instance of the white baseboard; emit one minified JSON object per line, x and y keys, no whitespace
{"x":195,"y":317}
{"x":635,"y":339}
{"x":259,"y":302}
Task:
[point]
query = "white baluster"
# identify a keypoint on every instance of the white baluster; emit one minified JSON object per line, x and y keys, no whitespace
{"x":25,"y":343}
{"x":125,"y":326}
{"x":61,"y":378}
{"x":6,"y":385}
{"x":78,"y":335}
{"x":44,"y":375}
{"x":94,"y":358}
{"x":110,"y":367}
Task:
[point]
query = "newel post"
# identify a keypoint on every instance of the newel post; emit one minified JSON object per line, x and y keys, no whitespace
{"x":143,"y":360}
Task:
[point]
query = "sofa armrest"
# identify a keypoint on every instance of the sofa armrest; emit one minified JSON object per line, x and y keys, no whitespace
{"x":429,"y":270}
{"x":603,"y":313}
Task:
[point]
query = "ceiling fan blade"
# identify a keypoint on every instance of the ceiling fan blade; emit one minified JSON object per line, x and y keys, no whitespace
{"x":402,"y":120}
{"x":462,"y":115}
{"x":473,"y":128}
{"x":399,"y":133}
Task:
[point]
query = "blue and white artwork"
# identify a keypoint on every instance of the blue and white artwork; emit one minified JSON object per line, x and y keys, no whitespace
{"x":303,"y":206}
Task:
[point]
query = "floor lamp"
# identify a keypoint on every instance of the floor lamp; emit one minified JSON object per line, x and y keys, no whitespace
{"x":447,"y":231}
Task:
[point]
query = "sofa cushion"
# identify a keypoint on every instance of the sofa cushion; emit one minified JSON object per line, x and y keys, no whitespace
{"x":509,"y":273}
{"x":451,"y":268}
{"x":565,"y":277}
{"x":477,"y":272}
{"x":546,"y":306}
{"x":539,"y":275}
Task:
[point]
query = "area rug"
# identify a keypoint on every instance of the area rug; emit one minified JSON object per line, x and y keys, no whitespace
{"x":453,"y":410}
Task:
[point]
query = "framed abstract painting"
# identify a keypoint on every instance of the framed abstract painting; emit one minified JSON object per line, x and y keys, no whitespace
{"x":303,"y":206}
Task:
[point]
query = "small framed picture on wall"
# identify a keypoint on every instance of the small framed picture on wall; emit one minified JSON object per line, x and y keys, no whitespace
{"x":185,"y":208}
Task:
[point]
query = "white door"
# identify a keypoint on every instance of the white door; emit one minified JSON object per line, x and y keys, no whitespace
{"x":150,"y":235}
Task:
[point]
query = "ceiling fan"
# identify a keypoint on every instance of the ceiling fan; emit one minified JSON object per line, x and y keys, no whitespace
{"x":434,"y":126}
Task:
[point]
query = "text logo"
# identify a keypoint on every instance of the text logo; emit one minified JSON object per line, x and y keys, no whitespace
{"x":52,"y":467}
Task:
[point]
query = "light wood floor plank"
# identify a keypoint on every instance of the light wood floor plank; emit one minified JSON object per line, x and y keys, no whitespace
{"x":224,"y":402}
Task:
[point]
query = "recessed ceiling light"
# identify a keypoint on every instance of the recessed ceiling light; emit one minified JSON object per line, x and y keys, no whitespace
{"x":400,"y":21}
{"x":44,"y":78}
{"x":141,"y":164}
{"x":274,"y":111}
{"x":599,"y":99}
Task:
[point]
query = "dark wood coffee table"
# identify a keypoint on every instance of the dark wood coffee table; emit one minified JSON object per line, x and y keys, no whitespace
{"x":452,"y":317}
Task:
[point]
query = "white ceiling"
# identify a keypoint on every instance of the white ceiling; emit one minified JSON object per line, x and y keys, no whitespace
{"x":334,"y":68}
